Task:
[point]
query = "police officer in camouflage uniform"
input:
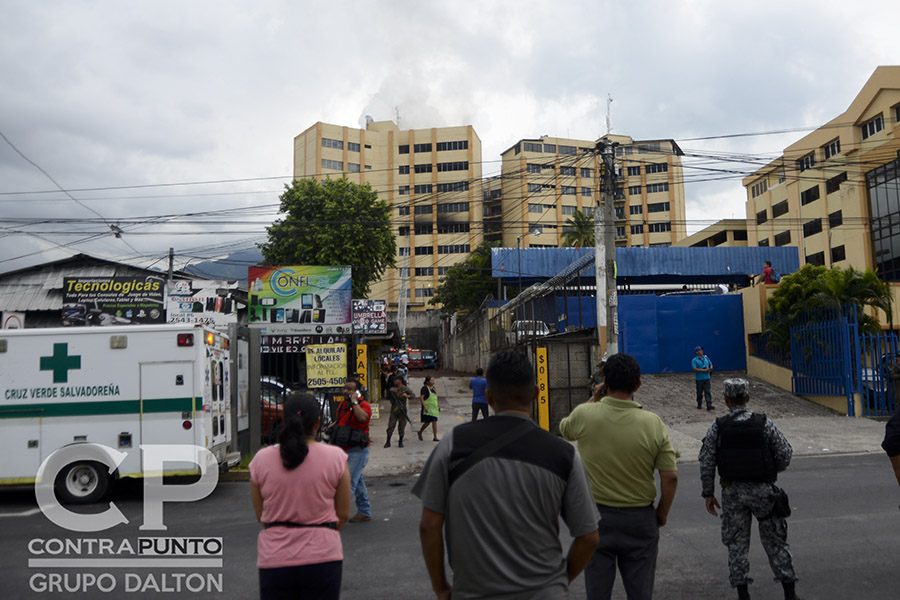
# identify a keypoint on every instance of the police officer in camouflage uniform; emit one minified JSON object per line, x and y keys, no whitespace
{"x":748,"y":451}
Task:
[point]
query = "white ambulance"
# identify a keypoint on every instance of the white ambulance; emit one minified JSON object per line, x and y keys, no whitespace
{"x":120,"y":386}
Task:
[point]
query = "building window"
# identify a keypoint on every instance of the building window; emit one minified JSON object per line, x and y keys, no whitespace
{"x":423,"y":188}
{"x":403,"y":211}
{"x":533,"y":168}
{"x":832,"y":148}
{"x":335,"y":165}
{"x":807,"y":162}
{"x":835,"y":219}
{"x":783,"y":238}
{"x":404,"y":231}
{"x":531,"y":147}
{"x":657,"y":207}
{"x":424,"y":250}
{"x":646,"y":147}
{"x":657,"y":187}
{"x":352,"y":167}
{"x":817,"y":259}
{"x":586,"y":192}
{"x":568,"y":210}
{"x":636,"y":209}
{"x":761,"y":217}
{"x":567,"y":190}
{"x":620,"y":233}
{"x":568,"y":150}
{"x":336,"y":144}
{"x":454,"y":249}
{"x":897,"y":114}
{"x":536,"y":208}
{"x":453,"y":166}
{"x":619,"y":212}
{"x":657,"y":168}
{"x":424,"y":271}
{"x":634,"y":171}
{"x":426,"y":229}
{"x":810,"y":195}
{"x":586,"y":172}
{"x":404,"y":271}
{"x":461,"y":145}
{"x":368,"y":167}
{"x":740,"y":235}
{"x":780,"y":209}
{"x":422,"y":147}
{"x":550,"y":148}
{"x":426,"y":292}
{"x":426,"y":168}
{"x":763,"y":242}
{"x":567,"y":171}
{"x":884,"y":198}
{"x":404,"y":190}
{"x":456,"y":186}
{"x":838,"y":254}
{"x":352,"y":146}
{"x":404,"y":169}
{"x":834,"y":184}
{"x":588,"y":211}
{"x":423,"y":209}
{"x":368,"y":146}
{"x":404,"y":149}
{"x":403,"y":252}
{"x":637,"y":229}
{"x":872,"y":126}
{"x":453,"y":207}
{"x":443,"y":270}
{"x":453,"y":228}
{"x":812,"y":227}
{"x":634,"y":190}
{"x":781,"y":176}
{"x":659,"y":227}
{"x":620,"y":193}
{"x":534,"y":188}
{"x":759,"y":188}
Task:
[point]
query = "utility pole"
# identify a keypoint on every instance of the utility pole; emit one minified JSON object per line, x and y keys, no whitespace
{"x":171,"y":262}
{"x":605,"y":252}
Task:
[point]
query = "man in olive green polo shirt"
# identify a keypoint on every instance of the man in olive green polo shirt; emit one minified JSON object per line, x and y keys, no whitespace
{"x":621,"y":445}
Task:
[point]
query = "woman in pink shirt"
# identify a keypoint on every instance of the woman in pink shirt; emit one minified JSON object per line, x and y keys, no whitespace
{"x":301,"y":493}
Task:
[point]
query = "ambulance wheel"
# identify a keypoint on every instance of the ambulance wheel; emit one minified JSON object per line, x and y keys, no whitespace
{"x":82,"y":483}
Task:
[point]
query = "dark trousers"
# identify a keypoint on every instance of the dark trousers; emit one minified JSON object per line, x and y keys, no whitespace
{"x":320,"y":581}
{"x":479,"y":407}
{"x":703,"y":389}
{"x":629,"y":538}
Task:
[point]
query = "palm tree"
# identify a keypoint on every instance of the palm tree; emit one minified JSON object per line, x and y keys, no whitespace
{"x":579,"y":231}
{"x":846,"y":287}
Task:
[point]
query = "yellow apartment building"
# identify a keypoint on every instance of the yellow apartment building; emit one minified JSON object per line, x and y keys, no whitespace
{"x":835,"y":193}
{"x":545,"y":181}
{"x":725,"y":233}
{"x":431,"y":177}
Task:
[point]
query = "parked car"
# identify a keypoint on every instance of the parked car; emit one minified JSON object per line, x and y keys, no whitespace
{"x":524,"y":330}
{"x":415,"y":359}
{"x":429,"y":359}
{"x":272,"y":392}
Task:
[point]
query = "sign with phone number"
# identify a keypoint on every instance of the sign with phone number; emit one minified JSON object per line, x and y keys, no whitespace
{"x":326,"y":365}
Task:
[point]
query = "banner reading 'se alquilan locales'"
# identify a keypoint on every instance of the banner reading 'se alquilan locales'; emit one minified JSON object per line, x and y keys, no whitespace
{"x":300,"y":299}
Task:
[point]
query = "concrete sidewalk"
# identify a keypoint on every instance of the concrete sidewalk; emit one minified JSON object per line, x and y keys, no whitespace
{"x":812,"y":429}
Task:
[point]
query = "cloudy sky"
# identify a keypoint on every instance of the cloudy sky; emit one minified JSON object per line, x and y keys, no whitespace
{"x":102,"y":95}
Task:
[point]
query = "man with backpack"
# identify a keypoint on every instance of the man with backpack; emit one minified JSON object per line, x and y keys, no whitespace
{"x":769,"y":275}
{"x":749,"y":452}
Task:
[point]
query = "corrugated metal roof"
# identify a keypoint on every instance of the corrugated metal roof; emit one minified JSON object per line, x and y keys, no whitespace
{"x":40,"y":287}
{"x":656,"y":265}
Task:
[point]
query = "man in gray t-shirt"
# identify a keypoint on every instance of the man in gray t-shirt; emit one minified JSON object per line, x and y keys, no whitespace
{"x":501,"y":509}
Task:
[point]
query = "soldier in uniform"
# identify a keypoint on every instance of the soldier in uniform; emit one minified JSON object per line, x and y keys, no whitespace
{"x":749,"y":452}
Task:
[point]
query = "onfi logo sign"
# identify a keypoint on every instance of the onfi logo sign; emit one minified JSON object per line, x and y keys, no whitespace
{"x":155,"y":493}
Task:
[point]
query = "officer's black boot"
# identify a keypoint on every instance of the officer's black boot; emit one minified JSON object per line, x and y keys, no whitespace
{"x":400,"y":443}
{"x":743,"y":592}
{"x":387,"y":444}
{"x":789,"y":592}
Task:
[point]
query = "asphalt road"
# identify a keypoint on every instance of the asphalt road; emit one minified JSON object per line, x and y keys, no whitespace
{"x":844,"y":533}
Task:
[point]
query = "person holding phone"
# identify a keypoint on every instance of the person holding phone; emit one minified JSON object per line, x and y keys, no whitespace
{"x":353,"y":415}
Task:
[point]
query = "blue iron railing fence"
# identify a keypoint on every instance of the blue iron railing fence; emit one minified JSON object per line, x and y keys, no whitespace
{"x":761,"y":347}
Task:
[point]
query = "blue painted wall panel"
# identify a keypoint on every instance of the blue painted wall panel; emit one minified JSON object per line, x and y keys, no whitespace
{"x":661,"y":332}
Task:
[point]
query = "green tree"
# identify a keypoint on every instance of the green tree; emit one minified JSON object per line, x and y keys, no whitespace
{"x":579,"y":232}
{"x":817,"y":287}
{"x":465,"y":285}
{"x":333,"y":223}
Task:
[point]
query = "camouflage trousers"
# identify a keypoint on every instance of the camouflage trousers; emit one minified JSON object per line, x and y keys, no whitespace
{"x":396,"y":418}
{"x":741,"y":501}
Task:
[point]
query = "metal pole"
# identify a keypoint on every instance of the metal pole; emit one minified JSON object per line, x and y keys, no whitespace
{"x":605,"y":253}
{"x":519,"y":255}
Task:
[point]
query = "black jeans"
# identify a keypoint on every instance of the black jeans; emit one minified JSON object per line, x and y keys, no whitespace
{"x":321,"y":581}
{"x":481,"y":407}
{"x":703,"y":389}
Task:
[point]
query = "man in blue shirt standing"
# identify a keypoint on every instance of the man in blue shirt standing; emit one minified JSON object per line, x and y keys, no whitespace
{"x":702,"y":367}
{"x":478,"y":385}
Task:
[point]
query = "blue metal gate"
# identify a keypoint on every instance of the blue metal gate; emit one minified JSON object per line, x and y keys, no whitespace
{"x":662,"y":331}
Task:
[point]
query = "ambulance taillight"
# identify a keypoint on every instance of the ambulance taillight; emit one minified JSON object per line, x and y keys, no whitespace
{"x":185,"y":339}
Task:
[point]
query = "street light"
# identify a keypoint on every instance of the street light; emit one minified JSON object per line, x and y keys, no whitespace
{"x":535,"y":232}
